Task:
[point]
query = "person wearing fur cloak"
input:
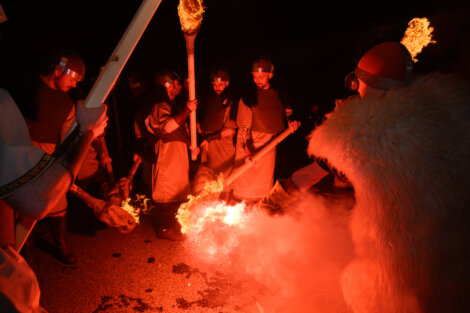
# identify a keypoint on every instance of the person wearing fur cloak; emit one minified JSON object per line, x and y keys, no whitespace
{"x":404,"y":145}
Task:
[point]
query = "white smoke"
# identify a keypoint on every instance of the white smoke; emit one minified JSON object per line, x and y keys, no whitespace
{"x":298,"y":257}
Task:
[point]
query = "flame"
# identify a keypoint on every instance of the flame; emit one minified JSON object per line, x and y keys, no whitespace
{"x":136,"y":206}
{"x":215,"y":212}
{"x":190,"y":14}
{"x":214,"y":229}
{"x":186,"y":210}
{"x":417,"y":36}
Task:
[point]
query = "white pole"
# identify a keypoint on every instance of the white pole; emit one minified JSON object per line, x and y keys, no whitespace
{"x":121,"y":53}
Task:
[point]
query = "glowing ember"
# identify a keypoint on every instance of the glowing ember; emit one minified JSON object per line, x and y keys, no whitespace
{"x":190,"y":14}
{"x":136,"y":206}
{"x":417,"y":36}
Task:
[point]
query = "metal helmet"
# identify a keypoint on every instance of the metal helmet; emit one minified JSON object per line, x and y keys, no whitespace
{"x":69,"y":63}
{"x":262,"y":65}
{"x":219,"y":75}
{"x":386,"y":65}
{"x":166,"y":77}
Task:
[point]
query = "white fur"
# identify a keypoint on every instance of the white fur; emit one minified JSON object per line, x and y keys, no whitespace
{"x":407,"y":154}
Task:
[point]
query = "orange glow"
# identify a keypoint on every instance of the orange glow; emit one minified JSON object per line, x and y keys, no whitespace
{"x":215,"y":228}
{"x":186,"y":210}
{"x":217,"y":211}
{"x":417,"y":36}
{"x":136,"y":206}
{"x":190,"y":14}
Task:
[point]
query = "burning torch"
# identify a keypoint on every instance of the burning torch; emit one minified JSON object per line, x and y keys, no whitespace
{"x":190,"y":14}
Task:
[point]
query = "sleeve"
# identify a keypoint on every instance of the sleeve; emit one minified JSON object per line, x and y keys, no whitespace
{"x":244,"y":115}
{"x":228,"y":121}
{"x":158,"y":117}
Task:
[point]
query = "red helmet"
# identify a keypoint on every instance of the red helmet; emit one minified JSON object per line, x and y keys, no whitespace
{"x":166,"y":77}
{"x":263,"y":64}
{"x":386,"y":65}
{"x":70,"y":63}
{"x":219,"y":75}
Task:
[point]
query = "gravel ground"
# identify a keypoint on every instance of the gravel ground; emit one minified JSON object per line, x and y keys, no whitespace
{"x":137,"y":272}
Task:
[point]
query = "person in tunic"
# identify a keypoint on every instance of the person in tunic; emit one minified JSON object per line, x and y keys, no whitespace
{"x":170,"y":172}
{"x":262,"y":114}
{"x":54,"y":114}
{"x":218,"y":126}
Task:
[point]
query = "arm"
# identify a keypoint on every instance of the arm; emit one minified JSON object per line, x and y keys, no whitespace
{"x":161,"y":114}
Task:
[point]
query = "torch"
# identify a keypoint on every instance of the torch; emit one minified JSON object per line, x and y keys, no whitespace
{"x":190,"y":14}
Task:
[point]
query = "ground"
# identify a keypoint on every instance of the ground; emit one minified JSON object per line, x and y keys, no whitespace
{"x":137,"y":272}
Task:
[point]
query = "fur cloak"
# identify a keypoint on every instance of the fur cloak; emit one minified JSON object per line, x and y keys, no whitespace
{"x":407,"y":154}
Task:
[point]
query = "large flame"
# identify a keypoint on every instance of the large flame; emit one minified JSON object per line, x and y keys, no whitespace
{"x":417,"y":36}
{"x":207,"y":194}
{"x":136,"y":206}
{"x":190,"y":14}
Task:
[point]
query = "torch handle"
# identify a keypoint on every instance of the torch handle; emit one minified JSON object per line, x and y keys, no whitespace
{"x":261,"y":153}
{"x":190,"y":38}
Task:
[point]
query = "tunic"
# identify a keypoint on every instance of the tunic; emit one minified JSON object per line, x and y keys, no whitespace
{"x":266,"y":119}
{"x":170,"y":172}
{"x":221,"y":151}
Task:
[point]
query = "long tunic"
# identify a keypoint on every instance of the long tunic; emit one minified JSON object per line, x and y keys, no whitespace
{"x":220,"y":153}
{"x":170,"y":172}
{"x":265,"y":120}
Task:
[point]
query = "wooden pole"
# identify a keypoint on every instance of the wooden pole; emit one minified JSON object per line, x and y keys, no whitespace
{"x":190,"y":38}
{"x":261,"y":153}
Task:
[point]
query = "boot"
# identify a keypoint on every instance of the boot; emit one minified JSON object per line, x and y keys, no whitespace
{"x":165,"y":223}
{"x":58,"y":230}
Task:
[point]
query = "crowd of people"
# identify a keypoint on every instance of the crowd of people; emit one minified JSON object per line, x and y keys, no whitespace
{"x":400,"y":142}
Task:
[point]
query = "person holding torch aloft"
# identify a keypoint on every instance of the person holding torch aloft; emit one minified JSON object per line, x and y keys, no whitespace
{"x":170,"y":172}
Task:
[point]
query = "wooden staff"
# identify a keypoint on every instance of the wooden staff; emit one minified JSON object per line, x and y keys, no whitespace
{"x":261,"y":153}
{"x":190,"y":15}
{"x":104,"y":83}
{"x":190,"y":38}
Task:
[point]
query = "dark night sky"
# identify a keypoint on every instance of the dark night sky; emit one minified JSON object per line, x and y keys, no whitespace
{"x":312,"y":50}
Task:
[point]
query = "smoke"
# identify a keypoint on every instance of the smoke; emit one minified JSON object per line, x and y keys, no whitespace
{"x":296,"y":257}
